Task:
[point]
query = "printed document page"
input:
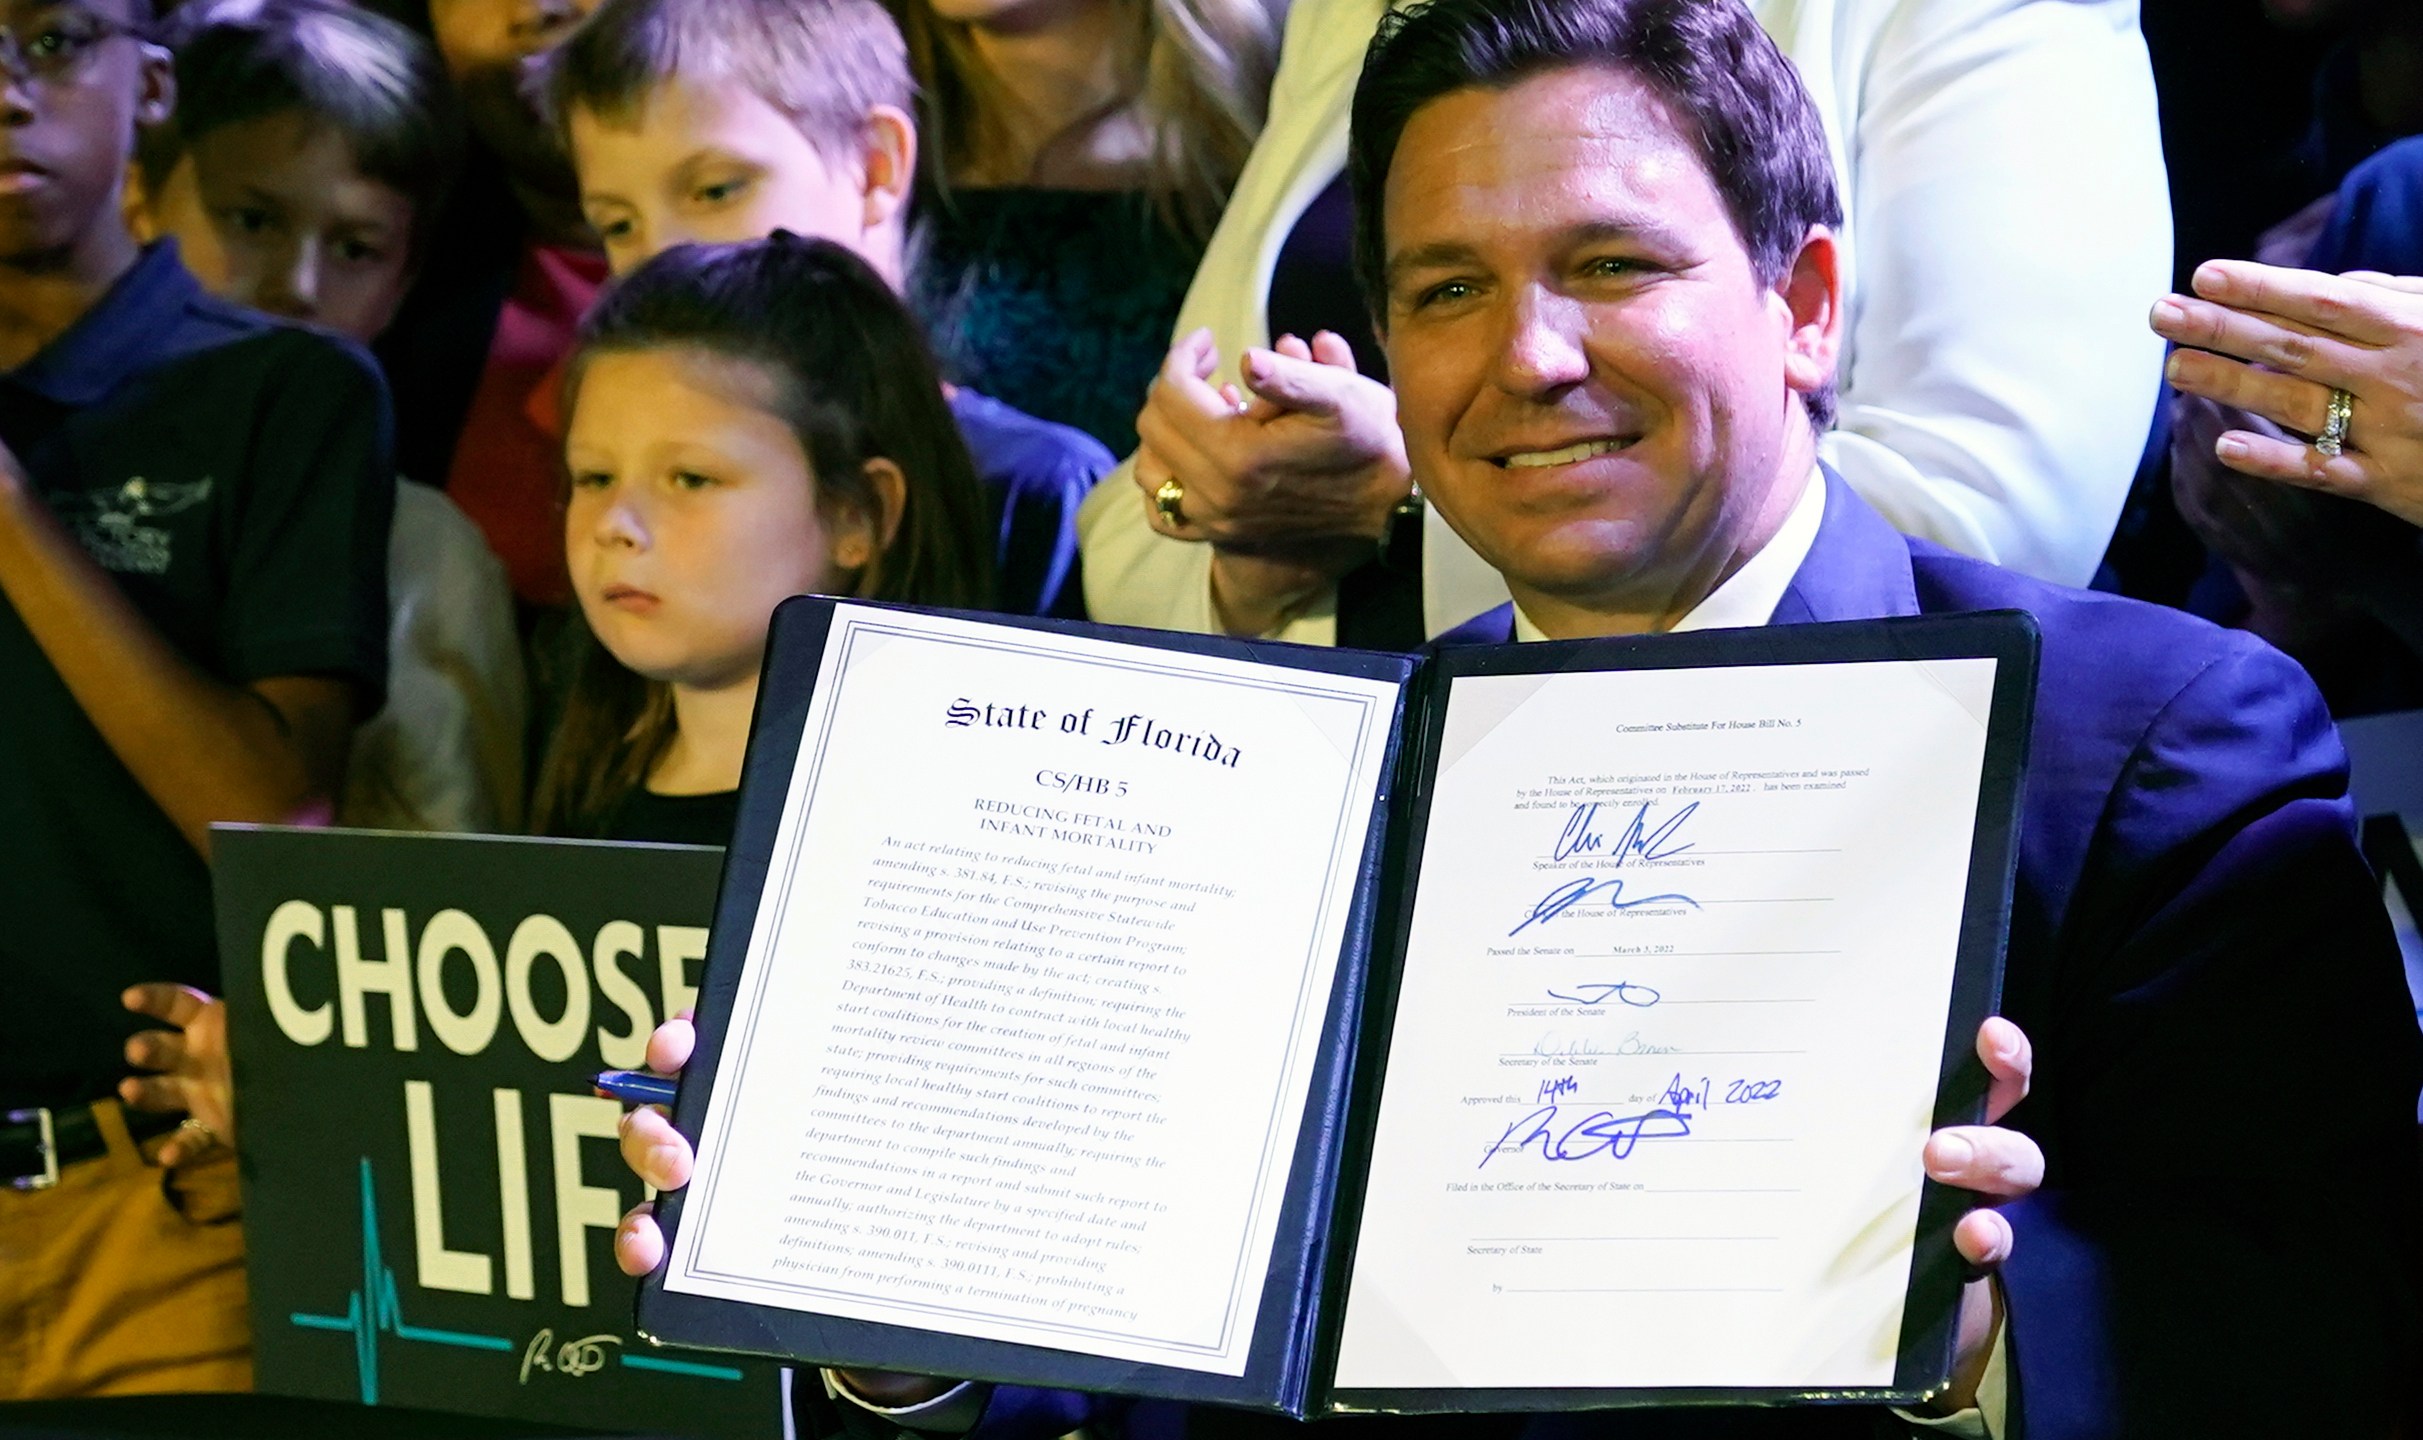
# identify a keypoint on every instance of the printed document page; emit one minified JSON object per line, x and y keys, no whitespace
{"x":1028,"y":1020}
{"x":1673,"y":1011}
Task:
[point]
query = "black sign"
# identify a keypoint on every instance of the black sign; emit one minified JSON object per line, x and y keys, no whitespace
{"x":430,"y":1186}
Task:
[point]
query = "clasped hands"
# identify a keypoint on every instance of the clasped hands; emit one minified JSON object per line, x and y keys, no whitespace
{"x":1994,"y":1163}
{"x":1290,"y":480}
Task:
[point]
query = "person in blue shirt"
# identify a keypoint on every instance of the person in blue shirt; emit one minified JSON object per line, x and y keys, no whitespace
{"x":194,"y":509}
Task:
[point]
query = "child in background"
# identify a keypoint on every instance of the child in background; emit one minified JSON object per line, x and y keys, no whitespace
{"x":697,"y":120}
{"x":736,"y":439}
{"x":747,"y":423}
{"x":475,"y":357}
{"x":309,"y":154}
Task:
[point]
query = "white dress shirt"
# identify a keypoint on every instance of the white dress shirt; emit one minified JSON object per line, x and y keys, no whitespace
{"x":1748,"y":596}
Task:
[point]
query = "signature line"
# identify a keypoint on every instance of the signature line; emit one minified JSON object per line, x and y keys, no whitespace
{"x":1649,"y":1290}
{"x":680,"y":1367}
{"x":1592,"y":1239}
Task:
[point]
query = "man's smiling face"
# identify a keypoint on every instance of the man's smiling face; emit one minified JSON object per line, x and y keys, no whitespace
{"x":1597,"y":388}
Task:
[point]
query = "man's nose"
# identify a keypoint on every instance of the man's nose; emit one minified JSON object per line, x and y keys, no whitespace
{"x":16,"y":93}
{"x":622,"y":522}
{"x":295,"y":292}
{"x":1542,"y":352}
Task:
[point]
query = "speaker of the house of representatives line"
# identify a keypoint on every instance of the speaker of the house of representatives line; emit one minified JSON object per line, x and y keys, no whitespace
{"x":1596,"y":238}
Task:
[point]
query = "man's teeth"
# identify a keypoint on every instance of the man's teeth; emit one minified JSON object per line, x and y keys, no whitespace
{"x":1540,"y":459}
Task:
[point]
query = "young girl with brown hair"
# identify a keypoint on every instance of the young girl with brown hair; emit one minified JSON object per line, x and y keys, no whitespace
{"x":746,"y":423}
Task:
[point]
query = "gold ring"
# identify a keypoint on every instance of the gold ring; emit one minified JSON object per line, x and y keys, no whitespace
{"x":209,"y":1137}
{"x":2333,"y":438}
{"x":1170,"y":500}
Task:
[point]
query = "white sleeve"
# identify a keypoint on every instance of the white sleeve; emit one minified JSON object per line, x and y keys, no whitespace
{"x":1134,"y":575}
{"x":2011,"y":223}
{"x":445,"y":751}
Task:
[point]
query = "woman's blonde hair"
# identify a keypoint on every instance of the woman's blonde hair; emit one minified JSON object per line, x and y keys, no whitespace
{"x":1205,"y":68}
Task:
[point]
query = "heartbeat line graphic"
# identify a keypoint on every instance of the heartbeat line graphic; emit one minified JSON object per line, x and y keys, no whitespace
{"x":374,"y":1308}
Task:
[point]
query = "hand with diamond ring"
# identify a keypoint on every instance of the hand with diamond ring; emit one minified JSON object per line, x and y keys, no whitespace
{"x":2282,"y":344}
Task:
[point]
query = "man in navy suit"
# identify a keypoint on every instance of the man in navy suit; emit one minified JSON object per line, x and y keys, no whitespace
{"x":1599,"y":241}
{"x":1608,"y":285}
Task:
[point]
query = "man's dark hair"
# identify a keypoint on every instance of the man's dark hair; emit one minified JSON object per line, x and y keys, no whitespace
{"x":823,"y":63}
{"x":1738,"y":100}
{"x":381,"y":87}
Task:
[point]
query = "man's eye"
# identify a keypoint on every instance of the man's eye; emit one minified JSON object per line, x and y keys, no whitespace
{"x":1446,"y":292}
{"x":612,"y":230}
{"x":248,"y":219}
{"x":591,"y":479}
{"x":359,"y":252}
{"x":691,"y":480}
{"x":721,"y":191}
{"x":57,"y":42}
{"x":1612,"y":265}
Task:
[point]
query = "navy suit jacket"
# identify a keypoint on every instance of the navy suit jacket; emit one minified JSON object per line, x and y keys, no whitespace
{"x":2226,"y":1059}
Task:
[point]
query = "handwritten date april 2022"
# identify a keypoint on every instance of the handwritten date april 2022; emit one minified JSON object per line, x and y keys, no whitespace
{"x":1638,"y":840}
{"x":1603,"y":1132}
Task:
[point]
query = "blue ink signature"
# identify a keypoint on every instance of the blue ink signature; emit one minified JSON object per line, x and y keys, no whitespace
{"x":1638,"y":842}
{"x":1574,"y":892}
{"x":1597,"y":993}
{"x":1558,"y":1088}
{"x":1602,"y":1132}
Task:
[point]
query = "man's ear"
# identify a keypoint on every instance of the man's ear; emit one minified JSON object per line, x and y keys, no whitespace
{"x":1810,"y":297}
{"x":857,"y":537}
{"x":156,"y":99}
{"x":890,"y":164}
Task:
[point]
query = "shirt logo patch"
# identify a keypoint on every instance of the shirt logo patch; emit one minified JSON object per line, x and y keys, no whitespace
{"x":114,"y":525}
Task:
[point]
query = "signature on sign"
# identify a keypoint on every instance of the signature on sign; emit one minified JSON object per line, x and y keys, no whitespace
{"x":585,"y":1356}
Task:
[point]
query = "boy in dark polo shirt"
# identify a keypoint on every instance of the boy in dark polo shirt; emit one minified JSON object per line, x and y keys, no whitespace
{"x":193,"y":523}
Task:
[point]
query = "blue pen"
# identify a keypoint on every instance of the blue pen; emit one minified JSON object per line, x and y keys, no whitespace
{"x":635,"y":1087}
